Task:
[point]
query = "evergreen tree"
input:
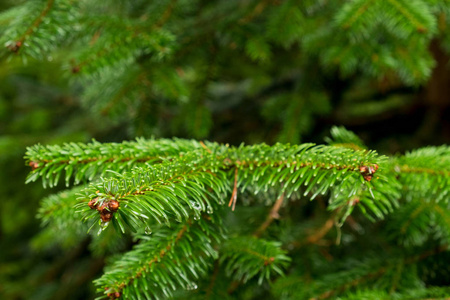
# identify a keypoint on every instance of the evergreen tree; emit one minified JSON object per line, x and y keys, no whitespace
{"x":187,"y":218}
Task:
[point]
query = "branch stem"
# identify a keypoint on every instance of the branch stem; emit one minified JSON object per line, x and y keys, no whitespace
{"x":273,"y":214}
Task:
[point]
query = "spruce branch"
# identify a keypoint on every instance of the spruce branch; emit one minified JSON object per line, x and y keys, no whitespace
{"x":247,"y":257}
{"x":60,"y":220}
{"x":416,"y":13}
{"x":361,"y":273}
{"x":59,"y":209}
{"x":52,"y":23}
{"x":341,"y":137}
{"x":36,"y":22}
{"x":418,"y":221}
{"x":353,"y":11}
{"x":89,"y":161}
{"x":184,"y":182}
{"x":163,"y":192}
{"x":164,"y":262}
{"x":122,"y":49}
{"x":425,"y":173}
{"x":390,"y":267}
{"x":179,"y":175}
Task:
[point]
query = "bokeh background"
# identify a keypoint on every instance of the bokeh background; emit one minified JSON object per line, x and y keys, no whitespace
{"x":227,"y":71}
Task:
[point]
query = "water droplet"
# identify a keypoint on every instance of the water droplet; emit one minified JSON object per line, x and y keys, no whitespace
{"x":196,"y":217}
{"x":209,"y":210}
{"x":196,"y":205}
{"x":103,"y":226}
{"x":148,"y":230}
{"x":192,"y":286}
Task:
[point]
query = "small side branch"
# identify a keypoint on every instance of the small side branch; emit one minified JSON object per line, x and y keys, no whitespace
{"x":273,"y":214}
{"x":380,"y":272}
{"x":234,"y":194}
{"x":166,"y":15}
{"x":36,"y":22}
{"x":205,"y":147}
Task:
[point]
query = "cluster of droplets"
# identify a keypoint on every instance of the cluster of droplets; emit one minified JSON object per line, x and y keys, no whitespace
{"x":191,"y":286}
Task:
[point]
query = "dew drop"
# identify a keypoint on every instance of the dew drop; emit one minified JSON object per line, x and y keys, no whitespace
{"x":192,"y":286}
{"x":103,"y":226}
{"x":148,"y":230}
{"x":196,"y":205}
{"x":209,"y":210}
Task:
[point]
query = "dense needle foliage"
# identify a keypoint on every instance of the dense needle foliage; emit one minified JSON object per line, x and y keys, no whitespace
{"x":238,"y":206}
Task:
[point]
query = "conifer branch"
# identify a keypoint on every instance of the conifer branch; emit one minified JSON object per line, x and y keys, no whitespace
{"x":369,"y":272}
{"x":149,"y":191}
{"x":408,"y":15}
{"x":167,"y":261}
{"x":246,"y":257}
{"x":188,"y":170}
{"x":38,"y":35}
{"x":380,"y":271}
{"x":415,"y":221}
{"x":36,"y":22}
{"x":59,"y":206}
{"x":122,"y":92}
{"x":89,"y":161}
{"x":357,"y":9}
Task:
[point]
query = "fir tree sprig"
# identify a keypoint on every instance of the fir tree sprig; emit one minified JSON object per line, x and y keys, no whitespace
{"x":61,"y":227}
{"x":187,"y":181}
{"x":358,"y":275}
{"x":40,"y":26}
{"x":171,"y":185}
{"x":418,"y":221}
{"x":88,"y":161}
{"x":248,"y":257}
{"x":425,"y":173}
{"x":165,"y":192}
{"x":164,"y":262}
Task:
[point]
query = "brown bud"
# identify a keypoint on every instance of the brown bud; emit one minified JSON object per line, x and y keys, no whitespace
{"x":106,"y":217}
{"x":421,"y":29}
{"x":354,"y":201}
{"x":93,"y":203}
{"x":269,"y":261}
{"x":368,"y":177}
{"x":103,"y":208}
{"x":367,"y":172}
{"x":113,"y":205}
{"x":117,"y":294}
{"x":34,"y":165}
{"x":75,"y":69}
{"x":15,"y":46}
